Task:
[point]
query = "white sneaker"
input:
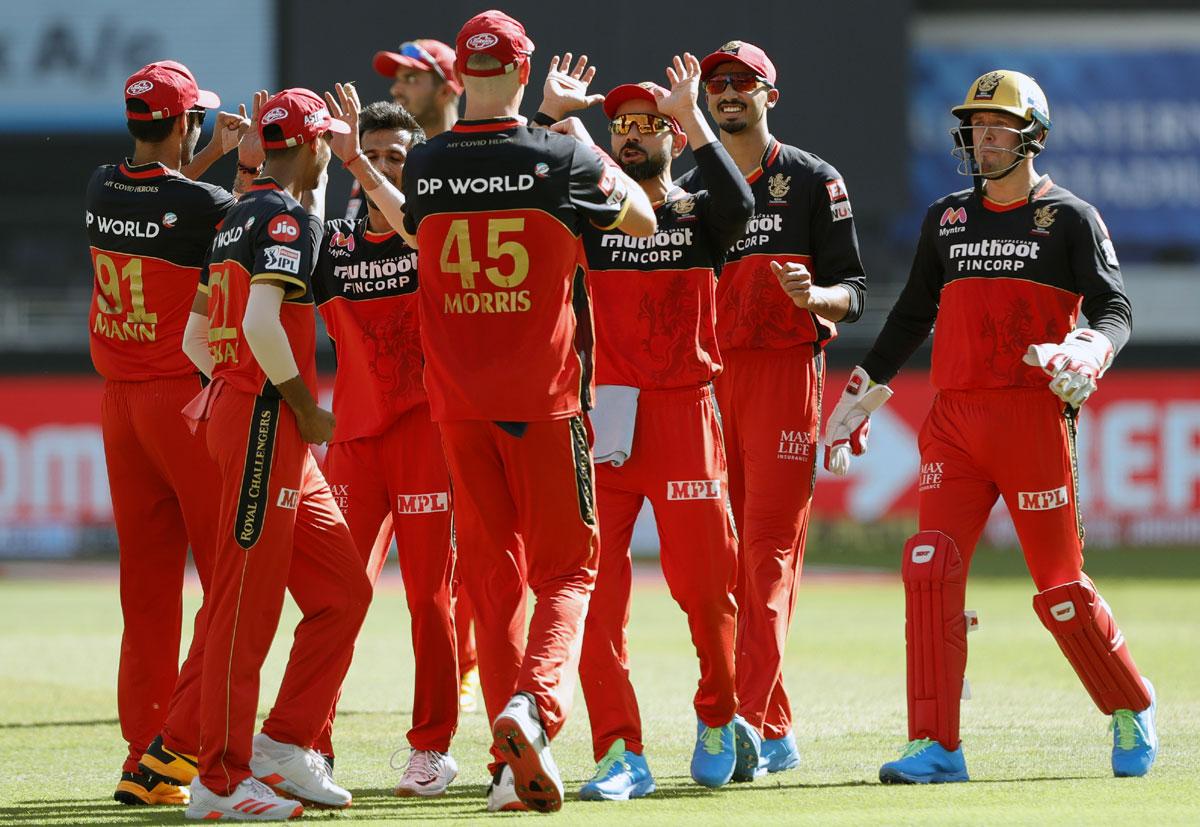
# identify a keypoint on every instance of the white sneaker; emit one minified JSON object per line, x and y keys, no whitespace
{"x":428,"y":773}
{"x":251,"y":800}
{"x":502,"y":795}
{"x":518,"y":736}
{"x":302,"y":773}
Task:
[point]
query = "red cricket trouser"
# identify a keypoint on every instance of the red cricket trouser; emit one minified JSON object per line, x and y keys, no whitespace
{"x":524,"y":511}
{"x":678,"y":462}
{"x":402,"y":473}
{"x":161,"y":479}
{"x":279,"y":529}
{"x":464,"y":615}
{"x":770,"y":402}
{"x":1013,"y":443}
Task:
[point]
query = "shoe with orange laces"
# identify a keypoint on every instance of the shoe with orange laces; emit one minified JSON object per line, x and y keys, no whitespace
{"x":250,"y":800}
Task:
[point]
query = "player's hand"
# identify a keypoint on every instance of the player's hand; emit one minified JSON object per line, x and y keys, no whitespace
{"x":575,"y":128}
{"x":565,"y":90}
{"x":683,"y":75}
{"x":230,"y":128}
{"x":1074,"y":365}
{"x":250,"y":148}
{"x":795,"y":280}
{"x":316,"y":426}
{"x":848,"y":425}
{"x":345,"y":107}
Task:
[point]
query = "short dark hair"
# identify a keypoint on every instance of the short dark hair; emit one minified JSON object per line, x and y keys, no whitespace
{"x":389,"y":115}
{"x":150,"y":132}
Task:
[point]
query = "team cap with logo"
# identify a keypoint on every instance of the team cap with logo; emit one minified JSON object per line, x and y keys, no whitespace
{"x":166,"y":89}
{"x":747,"y":54}
{"x":635,"y":91}
{"x":295,"y":116}
{"x":496,"y":34}
{"x":426,"y":55}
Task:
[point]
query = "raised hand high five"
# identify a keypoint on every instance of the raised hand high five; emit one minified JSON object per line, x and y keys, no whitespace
{"x":565,"y":90}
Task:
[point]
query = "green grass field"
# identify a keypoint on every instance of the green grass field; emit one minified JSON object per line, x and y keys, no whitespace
{"x":1036,"y":747}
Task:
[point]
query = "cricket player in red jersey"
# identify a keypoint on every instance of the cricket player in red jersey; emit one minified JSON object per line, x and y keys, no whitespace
{"x":772,"y":346}
{"x":149,"y":227}
{"x":496,"y":208}
{"x":428,"y":88}
{"x":385,"y":463}
{"x":279,"y":527}
{"x":1004,"y":269}
{"x":658,"y":434}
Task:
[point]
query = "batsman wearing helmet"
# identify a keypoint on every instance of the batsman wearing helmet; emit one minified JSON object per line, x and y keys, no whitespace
{"x":1004,"y":268}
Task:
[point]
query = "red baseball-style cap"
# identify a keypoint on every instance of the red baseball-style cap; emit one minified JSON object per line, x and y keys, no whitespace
{"x":747,"y":54}
{"x":635,"y":91}
{"x":425,"y":54}
{"x":296,"y":116}
{"x":167,"y":89}
{"x":492,"y":33}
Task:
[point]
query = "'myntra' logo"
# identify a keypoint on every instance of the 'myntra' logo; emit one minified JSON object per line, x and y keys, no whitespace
{"x":694,"y":490}
{"x":953,"y":216}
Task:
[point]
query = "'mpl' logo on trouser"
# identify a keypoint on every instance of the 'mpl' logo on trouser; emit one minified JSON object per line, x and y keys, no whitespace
{"x":694,"y":490}
{"x":422,"y":503}
{"x":1042,"y":500}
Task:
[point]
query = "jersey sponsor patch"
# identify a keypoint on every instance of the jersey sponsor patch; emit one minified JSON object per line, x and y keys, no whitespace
{"x":1110,"y":252}
{"x":694,"y":490}
{"x":1042,"y":500}
{"x":282,"y":259}
{"x":288,"y":498}
{"x":840,"y":210}
{"x":422,"y":503}
{"x":837,"y":190}
{"x":284,"y":228}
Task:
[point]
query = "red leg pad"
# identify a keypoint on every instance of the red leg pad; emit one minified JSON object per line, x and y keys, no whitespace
{"x":935,"y":581}
{"x":1088,"y":635}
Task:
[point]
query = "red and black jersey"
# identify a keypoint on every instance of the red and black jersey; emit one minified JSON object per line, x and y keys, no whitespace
{"x":365,"y":287}
{"x":654,"y":297}
{"x":266,"y":236}
{"x":149,"y":228}
{"x":998,"y":278}
{"x":497,"y":208}
{"x":802,"y":214}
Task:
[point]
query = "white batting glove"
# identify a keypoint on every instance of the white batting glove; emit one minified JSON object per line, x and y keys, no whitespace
{"x":1073,"y":366}
{"x":848,"y":425}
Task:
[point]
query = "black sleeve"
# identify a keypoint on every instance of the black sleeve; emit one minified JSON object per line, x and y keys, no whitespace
{"x":1097,"y":276}
{"x":912,"y":316}
{"x":323,"y":263}
{"x":409,"y":189}
{"x":595,"y":190}
{"x":836,"y":259}
{"x":285,"y":248}
{"x":731,"y":204}
{"x":691,"y":181}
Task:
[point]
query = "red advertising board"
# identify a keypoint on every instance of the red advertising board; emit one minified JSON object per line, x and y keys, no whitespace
{"x":1139,"y":455}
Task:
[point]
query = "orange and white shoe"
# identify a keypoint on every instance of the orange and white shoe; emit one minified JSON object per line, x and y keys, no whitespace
{"x":251,"y":800}
{"x":301,"y":773}
{"x":139,"y":788}
{"x":168,"y":765}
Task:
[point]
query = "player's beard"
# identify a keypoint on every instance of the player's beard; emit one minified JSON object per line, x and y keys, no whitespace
{"x":187,"y":149}
{"x":735,"y":126}
{"x":649,"y":167}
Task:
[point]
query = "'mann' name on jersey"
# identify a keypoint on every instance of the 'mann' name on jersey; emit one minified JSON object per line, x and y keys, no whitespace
{"x":266,"y":236}
{"x":149,"y":228}
{"x":497,"y":208}
{"x":802,"y":214}
{"x":365,"y":286}
{"x":998,"y":278}
{"x":654,"y":297}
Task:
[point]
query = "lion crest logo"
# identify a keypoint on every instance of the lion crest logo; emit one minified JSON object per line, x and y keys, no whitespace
{"x":684,"y":205}
{"x":1043,"y":217}
{"x":778,"y":185}
{"x":986,"y":88}
{"x":731,"y":46}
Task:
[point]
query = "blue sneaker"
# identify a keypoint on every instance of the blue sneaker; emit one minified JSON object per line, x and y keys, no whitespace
{"x":780,"y":754}
{"x":1135,"y":739}
{"x":748,"y":764}
{"x":925,"y":762}
{"x":714,"y":756}
{"x":620,"y":776}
